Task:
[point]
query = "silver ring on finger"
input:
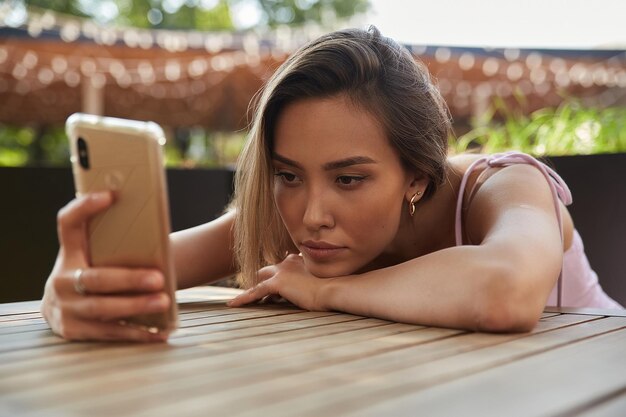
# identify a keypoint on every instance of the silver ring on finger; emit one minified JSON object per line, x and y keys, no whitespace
{"x":79,"y":287}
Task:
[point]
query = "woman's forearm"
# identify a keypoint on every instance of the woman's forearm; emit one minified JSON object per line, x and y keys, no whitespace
{"x":460,"y":287}
{"x":204,"y":254}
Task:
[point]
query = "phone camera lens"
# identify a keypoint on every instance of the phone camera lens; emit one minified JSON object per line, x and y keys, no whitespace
{"x":83,"y":153}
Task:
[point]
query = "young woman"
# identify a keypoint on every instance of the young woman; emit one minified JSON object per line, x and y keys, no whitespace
{"x":346,"y":199}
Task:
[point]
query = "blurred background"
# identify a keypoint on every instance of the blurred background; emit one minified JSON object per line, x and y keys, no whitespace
{"x":545,"y":77}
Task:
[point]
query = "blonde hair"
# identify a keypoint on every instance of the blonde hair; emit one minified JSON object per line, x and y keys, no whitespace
{"x":377,"y":75}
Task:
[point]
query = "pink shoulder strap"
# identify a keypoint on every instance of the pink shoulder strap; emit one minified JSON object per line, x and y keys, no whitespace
{"x":558,"y":189}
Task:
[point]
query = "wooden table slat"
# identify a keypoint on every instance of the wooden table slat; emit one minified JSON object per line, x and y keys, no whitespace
{"x":317,"y":385}
{"x":236,"y":380}
{"x":274,"y":359}
{"x":615,"y":406}
{"x":546,"y":383}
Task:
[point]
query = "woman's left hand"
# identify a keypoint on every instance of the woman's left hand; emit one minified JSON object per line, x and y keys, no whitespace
{"x":290,"y":280}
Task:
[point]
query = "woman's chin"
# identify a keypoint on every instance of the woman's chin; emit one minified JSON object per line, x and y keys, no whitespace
{"x":327,"y":270}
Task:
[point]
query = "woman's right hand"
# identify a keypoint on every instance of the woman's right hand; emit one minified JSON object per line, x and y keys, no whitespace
{"x":88,"y":303}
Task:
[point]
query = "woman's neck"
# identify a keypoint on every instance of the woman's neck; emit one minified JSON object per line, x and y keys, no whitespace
{"x":432,"y":226}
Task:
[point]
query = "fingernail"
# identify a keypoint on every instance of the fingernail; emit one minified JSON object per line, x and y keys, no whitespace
{"x":152,"y":281}
{"x":100,"y":196}
{"x":158,"y":302}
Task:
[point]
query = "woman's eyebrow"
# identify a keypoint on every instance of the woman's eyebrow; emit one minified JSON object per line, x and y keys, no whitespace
{"x":353,"y":160}
{"x":329,"y":166}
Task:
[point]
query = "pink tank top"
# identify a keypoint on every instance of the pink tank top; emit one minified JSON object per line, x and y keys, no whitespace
{"x":577,"y":285}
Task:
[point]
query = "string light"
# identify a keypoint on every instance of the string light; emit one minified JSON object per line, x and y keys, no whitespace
{"x":197,"y":68}
{"x":131,"y":39}
{"x":59,"y":64}
{"x":418,"y":49}
{"x":213,"y":44}
{"x":71,"y":78}
{"x":116,"y":68}
{"x":98,"y":81}
{"x":576,"y":72}
{"x":490,"y":67}
{"x":70,"y":32}
{"x":557,"y":65}
{"x":144,"y":40}
{"x":191,"y":75}
{"x":30,"y":59}
{"x":45,"y":76}
{"x":537,"y":76}
{"x":195,"y":40}
{"x":88,"y":67}
{"x":146,"y":72}
{"x":48,"y":20}
{"x":124,"y":80}
{"x":172,"y":70}
{"x":514,"y":71}
{"x":106,"y":37}
{"x":562,"y":79}
{"x":533,"y":60}
{"x":19,"y":72}
{"x":511,"y":54}
{"x":34,"y":28}
{"x":466,"y":61}
{"x":89,"y":29}
{"x":442,"y":55}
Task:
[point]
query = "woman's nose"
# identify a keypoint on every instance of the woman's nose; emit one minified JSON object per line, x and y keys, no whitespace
{"x":317,"y":213}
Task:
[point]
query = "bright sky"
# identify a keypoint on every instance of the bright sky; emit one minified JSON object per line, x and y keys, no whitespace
{"x":576,"y":24}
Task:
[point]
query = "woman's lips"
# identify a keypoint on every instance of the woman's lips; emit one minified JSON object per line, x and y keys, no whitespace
{"x":320,"y":251}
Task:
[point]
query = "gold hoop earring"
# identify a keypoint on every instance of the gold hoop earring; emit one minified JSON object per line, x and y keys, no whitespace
{"x":412,"y":203}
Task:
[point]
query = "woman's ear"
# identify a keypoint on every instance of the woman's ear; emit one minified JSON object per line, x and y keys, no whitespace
{"x":418,"y":183}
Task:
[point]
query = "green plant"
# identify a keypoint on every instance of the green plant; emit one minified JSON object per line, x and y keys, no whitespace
{"x":568,"y":129}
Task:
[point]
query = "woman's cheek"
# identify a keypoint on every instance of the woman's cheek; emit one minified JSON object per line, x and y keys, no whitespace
{"x":286,"y":205}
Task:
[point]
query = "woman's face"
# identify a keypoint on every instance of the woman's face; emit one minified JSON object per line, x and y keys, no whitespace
{"x":339,"y":185}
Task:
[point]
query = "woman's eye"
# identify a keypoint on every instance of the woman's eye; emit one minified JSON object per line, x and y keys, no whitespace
{"x":349,"y":180}
{"x":286,"y":177}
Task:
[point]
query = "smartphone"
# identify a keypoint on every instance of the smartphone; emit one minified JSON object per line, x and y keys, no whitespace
{"x":125,"y":156}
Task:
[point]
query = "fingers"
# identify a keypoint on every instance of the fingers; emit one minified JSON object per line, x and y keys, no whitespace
{"x":265,"y":273}
{"x":120,"y":280}
{"x":72,"y":218}
{"x":252,"y":294}
{"x":109,"y":280}
{"x":79,"y":330}
{"x":107,"y":308}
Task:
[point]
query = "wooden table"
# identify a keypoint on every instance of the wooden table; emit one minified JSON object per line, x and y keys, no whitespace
{"x":276,"y":360}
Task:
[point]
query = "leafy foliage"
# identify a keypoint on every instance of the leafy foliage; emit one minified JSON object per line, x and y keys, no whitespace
{"x":568,"y":129}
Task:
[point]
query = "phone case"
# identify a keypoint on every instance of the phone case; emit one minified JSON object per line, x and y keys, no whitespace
{"x":125,"y":156}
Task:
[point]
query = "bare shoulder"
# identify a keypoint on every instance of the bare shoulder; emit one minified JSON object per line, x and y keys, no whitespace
{"x":460,"y":163}
{"x":513,"y":186}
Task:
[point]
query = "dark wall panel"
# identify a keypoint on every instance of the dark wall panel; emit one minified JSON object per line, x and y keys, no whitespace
{"x":31,"y":197}
{"x":598,"y":185}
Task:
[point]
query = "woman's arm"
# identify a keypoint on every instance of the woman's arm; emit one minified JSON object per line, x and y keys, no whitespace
{"x":501,"y":284}
{"x":204,"y":254}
